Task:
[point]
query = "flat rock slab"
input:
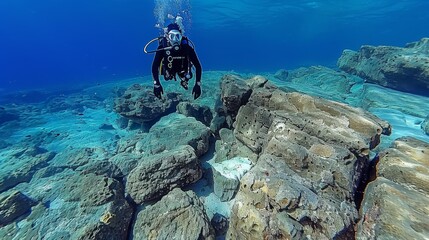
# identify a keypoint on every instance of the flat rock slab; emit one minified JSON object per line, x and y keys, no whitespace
{"x":178,"y":215}
{"x":404,"y":69}
{"x":374,"y":96}
{"x":395,"y":203}
{"x":322,"y":81}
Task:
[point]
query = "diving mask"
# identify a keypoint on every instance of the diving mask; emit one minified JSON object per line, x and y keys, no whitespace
{"x":174,"y":37}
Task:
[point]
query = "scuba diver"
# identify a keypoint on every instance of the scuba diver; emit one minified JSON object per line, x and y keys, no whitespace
{"x":175,"y":57}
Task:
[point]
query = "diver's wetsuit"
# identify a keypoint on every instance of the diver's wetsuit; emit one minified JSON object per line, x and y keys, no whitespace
{"x":179,"y":61}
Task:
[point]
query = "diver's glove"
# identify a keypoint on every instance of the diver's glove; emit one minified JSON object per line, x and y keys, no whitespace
{"x":157,"y":89}
{"x":196,"y":91}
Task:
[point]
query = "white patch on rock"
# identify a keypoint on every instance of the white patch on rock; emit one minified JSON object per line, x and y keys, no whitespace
{"x":234,"y":168}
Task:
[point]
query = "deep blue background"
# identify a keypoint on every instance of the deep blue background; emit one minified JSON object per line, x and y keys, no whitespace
{"x":58,"y":43}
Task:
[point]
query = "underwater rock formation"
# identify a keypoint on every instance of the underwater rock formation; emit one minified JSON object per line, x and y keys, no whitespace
{"x":228,"y":147}
{"x":74,"y":206}
{"x":282,"y":75}
{"x":425,"y":125}
{"x":313,"y":155}
{"x":140,"y":105}
{"x":23,"y":163}
{"x":13,"y":206}
{"x":178,"y":215}
{"x":227,"y":175}
{"x":234,"y":93}
{"x":404,"y":69}
{"x":395,"y":203}
{"x":201,"y":113}
{"x":158,"y":174}
{"x":168,"y":133}
{"x":374,"y":96}
{"x":323,"y":82}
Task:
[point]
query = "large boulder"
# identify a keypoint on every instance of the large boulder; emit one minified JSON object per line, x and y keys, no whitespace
{"x":404,"y":69}
{"x":168,"y":133}
{"x":394,"y":205}
{"x":140,"y":105}
{"x":201,"y":113}
{"x":178,"y":215}
{"x":313,"y":157}
{"x":234,"y":93}
{"x":156,"y":175}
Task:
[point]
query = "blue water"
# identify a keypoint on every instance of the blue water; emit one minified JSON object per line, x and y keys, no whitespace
{"x":52,"y":43}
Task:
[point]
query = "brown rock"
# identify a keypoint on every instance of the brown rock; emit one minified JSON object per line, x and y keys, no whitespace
{"x":394,"y":204}
{"x":313,"y":155}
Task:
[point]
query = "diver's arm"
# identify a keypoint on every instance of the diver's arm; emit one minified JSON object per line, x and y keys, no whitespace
{"x":155,"y":67}
{"x":157,"y":87}
{"x":194,"y":59}
{"x":196,"y":91}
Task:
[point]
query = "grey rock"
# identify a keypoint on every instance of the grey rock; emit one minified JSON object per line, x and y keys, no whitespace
{"x":23,"y":163}
{"x":139,"y":104}
{"x":177,"y":215}
{"x":13,"y":206}
{"x":201,"y":113}
{"x":168,"y":133}
{"x":425,"y":125}
{"x":228,"y":147}
{"x":234,"y":93}
{"x":258,"y":81}
{"x":74,"y":158}
{"x":404,"y":69}
{"x":227,"y":175}
{"x":373,"y":97}
{"x":220,"y":224}
{"x":103,"y":168}
{"x":104,"y":198}
{"x":217,"y":124}
{"x":126,"y":161}
{"x":74,"y":206}
{"x":323,"y":82}
{"x":156,"y":175}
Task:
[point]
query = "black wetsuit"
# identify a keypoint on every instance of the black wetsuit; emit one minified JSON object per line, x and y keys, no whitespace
{"x":178,"y":59}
